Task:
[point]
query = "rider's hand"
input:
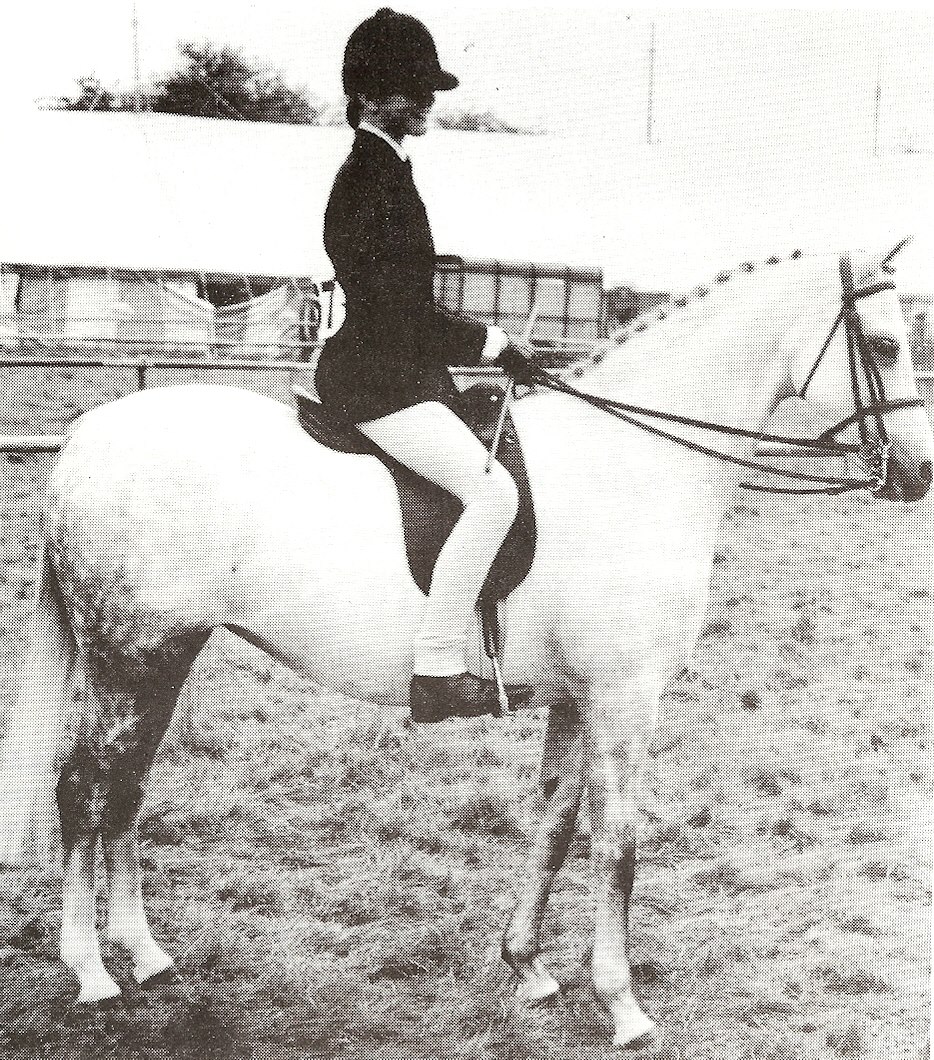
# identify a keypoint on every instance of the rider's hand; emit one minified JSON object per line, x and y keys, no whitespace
{"x":517,"y":362}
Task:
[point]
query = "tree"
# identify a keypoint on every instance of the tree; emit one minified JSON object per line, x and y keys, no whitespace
{"x":473,"y":119}
{"x":216,"y":82}
{"x":93,"y":96}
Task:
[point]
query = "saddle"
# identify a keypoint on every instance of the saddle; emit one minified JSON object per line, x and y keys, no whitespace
{"x":429,"y":512}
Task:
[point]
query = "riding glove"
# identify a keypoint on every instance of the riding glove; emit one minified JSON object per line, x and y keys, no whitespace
{"x":518,"y":364}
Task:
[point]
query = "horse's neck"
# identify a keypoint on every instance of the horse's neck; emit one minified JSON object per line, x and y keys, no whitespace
{"x":725,"y":358}
{"x":728,"y":362}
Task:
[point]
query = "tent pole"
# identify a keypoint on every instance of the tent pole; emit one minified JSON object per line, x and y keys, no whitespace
{"x":137,"y":99}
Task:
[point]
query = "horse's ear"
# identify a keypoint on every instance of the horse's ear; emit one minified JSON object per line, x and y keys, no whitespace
{"x":898,"y":247}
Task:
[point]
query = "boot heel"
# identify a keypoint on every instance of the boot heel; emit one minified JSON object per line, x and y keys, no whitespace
{"x":424,"y":708}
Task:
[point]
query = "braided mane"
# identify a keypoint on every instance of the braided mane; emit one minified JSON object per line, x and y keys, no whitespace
{"x":650,"y":317}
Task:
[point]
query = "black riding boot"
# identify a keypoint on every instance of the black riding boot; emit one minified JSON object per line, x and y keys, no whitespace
{"x":461,"y":696}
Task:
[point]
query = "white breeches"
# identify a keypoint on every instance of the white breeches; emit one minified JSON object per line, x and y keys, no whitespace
{"x":435,"y":443}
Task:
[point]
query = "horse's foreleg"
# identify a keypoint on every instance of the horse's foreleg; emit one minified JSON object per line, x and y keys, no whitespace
{"x":562,"y":781}
{"x":617,"y":725}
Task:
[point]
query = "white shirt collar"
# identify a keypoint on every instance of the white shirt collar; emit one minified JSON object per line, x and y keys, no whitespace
{"x":365,"y":126}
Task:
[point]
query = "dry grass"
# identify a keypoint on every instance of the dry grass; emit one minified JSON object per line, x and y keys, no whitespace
{"x":334,"y":883}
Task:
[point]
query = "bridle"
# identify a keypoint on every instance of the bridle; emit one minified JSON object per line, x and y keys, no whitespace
{"x":859,"y":356}
{"x":862,"y":365}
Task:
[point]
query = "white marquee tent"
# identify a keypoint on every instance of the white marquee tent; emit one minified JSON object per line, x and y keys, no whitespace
{"x":114,"y":217}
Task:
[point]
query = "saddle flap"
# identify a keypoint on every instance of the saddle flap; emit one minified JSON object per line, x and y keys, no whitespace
{"x":429,"y":512}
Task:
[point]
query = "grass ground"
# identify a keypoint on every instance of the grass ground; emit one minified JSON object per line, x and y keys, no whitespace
{"x":334,"y":883}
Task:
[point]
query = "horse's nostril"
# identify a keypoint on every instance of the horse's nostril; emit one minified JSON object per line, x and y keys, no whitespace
{"x":925,"y":471}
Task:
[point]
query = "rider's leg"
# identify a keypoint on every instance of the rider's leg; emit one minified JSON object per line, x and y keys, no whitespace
{"x":435,"y":443}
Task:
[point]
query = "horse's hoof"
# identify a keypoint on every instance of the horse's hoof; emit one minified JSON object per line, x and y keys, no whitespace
{"x":538,"y":993}
{"x":167,"y":977}
{"x":98,"y":992}
{"x":536,"y":984}
{"x":102,"y":1004}
{"x":640,"y":1034}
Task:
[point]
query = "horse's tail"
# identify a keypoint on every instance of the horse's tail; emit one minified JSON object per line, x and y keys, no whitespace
{"x":33,"y":733}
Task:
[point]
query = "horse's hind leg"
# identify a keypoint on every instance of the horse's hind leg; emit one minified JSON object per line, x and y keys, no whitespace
{"x":562,"y":780}
{"x":99,"y":795}
{"x":82,"y":796}
{"x":127,"y":925}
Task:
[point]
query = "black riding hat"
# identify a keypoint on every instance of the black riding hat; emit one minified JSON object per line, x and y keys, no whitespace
{"x":391,"y":52}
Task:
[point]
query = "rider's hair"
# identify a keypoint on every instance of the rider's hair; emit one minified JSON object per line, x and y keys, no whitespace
{"x":354,"y":111}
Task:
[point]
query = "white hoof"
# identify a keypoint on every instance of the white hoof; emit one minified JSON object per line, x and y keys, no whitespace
{"x":150,"y":969}
{"x":636,"y":1031}
{"x":536,"y":984}
{"x":101,"y":988}
{"x":149,"y":959}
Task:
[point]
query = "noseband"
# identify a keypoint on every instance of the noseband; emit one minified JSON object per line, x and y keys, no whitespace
{"x":874,"y":452}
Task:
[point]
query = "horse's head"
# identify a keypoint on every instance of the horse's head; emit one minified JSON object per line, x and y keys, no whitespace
{"x":865,"y":382}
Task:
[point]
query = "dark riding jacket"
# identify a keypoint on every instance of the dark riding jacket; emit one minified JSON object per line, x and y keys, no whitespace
{"x":394,"y":346}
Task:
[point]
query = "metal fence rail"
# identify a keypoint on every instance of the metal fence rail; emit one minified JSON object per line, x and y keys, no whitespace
{"x":144,"y":364}
{"x":51,"y":443}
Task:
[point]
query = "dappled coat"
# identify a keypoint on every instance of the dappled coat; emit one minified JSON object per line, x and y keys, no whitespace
{"x":395,"y":344}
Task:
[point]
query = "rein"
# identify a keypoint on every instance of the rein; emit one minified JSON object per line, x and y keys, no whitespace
{"x":875,"y":454}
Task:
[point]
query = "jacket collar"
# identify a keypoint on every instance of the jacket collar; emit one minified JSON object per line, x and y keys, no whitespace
{"x":365,"y":126}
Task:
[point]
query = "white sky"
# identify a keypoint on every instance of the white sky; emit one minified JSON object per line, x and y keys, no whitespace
{"x":732,"y":76}
{"x":743,"y":100}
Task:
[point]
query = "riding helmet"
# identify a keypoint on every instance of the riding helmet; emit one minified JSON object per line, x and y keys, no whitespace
{"x":391,"y":52}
